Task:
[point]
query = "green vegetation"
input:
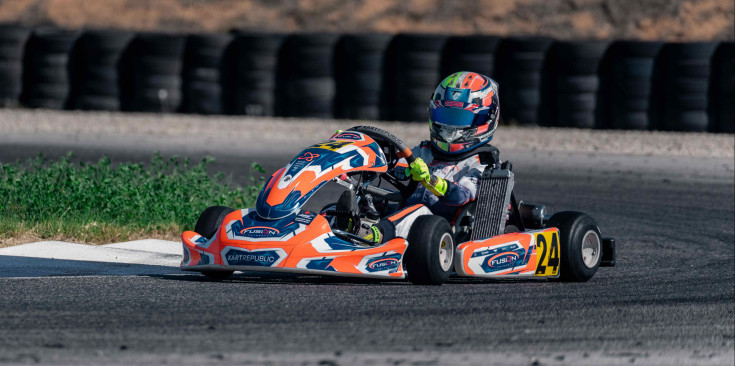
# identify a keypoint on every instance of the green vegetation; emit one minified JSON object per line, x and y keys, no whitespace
{"x":102,"y":202}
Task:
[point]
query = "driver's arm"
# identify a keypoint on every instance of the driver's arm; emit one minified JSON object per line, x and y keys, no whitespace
{"x":460,"y":192}
{"x":451,"y":193}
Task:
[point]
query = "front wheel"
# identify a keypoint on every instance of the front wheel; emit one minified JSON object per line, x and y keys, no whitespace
{"x":210,"y":220}
{"x":430,"y":252}
{"x":581,"y":245}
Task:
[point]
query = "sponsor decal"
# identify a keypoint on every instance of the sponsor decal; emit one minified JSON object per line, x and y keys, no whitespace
{"x":305,"y":217}
{"x":450,"y":103}
{"x":502,"y":260}
{"x":501,"y":257}
{"x":383,"y":264}
{"x":308,"y":156}
{"x":348,"y":136}
{"x":264,"y":258}
{"x":259,"y":232}
{"x":456,"y":95}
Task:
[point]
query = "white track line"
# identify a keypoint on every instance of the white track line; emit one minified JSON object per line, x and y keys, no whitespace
{"x":55,"y":258}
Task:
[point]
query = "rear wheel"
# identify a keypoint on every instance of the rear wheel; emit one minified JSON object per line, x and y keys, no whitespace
{"x":581,"y":245}
{"x":209,"y":222}
{"x":430,"y":252}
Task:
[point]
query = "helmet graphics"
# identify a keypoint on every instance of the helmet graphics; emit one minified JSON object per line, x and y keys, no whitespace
{"x":463,"y":112}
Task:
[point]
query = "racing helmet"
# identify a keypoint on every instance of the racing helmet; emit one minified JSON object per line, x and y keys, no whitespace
{"x":463,"y":112}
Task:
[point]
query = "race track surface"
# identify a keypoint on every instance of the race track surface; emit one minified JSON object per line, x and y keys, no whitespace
{"x":669,"y":301}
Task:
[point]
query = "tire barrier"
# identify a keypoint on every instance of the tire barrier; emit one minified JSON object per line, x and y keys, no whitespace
{"x":416,"y":60}
{"x":308,"y":75}
{"x":521,"y":61}
{"x":12,"y":44}
{"x":629,"y":83}
{"x":95,"y":74}
{"x":251,"y":90}
{"x":46,"y":81}
{"x":576,"y":80}
{"x":585,"y":84}
{"x":470,"y":53}
{"x":723,"y":88}
{"x":155,"y":76}
{"x":204,"y":57}
{"x":359,"y":75}
{"x":685,"y":81}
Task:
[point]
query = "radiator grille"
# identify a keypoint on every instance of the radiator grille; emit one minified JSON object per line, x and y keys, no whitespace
{"x":493,"y":197}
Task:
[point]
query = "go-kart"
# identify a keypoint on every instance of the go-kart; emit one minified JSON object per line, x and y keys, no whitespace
{"x":495,"y":236}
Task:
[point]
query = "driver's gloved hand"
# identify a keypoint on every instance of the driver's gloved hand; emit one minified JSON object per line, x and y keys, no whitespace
{"x":375,"y":235}
{"x":419,"y":171}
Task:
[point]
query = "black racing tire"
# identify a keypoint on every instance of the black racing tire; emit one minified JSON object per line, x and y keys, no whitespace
{"x":425,"y":264}
{"x":210,"y":220}
{"x":574,"y":228}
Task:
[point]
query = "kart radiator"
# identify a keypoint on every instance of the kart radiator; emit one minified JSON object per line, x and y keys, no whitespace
{"x":493,"y":198}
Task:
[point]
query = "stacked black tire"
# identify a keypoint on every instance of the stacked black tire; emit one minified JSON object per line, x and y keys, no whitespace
{"x":96,"y":73}
{"x":723,"y":89}
{"x":359,"y":75}
{"x":470,"y":53}
{"x":630,"y":84}
{"x":46,"y":76}
{"x":155,"y":73}
{"x":308,"y":76}
{"x":12,"y":44}
{"x":577,"y":80}
{"x":521,"y":61}
{"x":255,"y":62}
{"x":203,"y":66}
{"x":686,"y":73}
{"x":414,"y":77}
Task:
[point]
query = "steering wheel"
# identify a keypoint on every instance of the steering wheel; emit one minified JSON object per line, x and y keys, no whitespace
{"x":398,"y":150}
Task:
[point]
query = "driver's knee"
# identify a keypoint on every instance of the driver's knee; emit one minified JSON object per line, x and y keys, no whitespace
{"x":399,"y":223}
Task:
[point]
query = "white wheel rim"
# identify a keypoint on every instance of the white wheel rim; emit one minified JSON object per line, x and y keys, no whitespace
{"x":591,"y":249}
{"x":446,"y":251}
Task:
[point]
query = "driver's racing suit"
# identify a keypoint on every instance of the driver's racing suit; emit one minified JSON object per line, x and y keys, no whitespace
{"x":462,"y":178}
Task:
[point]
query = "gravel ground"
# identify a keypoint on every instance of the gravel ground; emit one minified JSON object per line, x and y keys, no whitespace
{"x":268,"y":134}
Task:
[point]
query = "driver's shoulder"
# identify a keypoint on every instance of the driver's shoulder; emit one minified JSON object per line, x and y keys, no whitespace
{"x":423,"y":150}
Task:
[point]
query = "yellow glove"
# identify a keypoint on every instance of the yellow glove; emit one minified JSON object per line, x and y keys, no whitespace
{"x":419,"y":171}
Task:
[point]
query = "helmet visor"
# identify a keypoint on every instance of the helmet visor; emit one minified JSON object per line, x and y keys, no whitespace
{"x":452,"y":116}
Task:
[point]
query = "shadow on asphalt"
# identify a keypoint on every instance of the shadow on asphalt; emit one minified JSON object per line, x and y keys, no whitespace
{"x":296,"y":279}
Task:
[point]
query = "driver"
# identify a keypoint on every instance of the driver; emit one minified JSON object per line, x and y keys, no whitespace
{"x":463,"y":115}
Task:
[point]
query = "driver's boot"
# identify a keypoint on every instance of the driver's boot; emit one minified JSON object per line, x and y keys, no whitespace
{"x":347,"y":210}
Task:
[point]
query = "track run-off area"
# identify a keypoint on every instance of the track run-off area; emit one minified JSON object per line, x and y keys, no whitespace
{"x":667,"y":198}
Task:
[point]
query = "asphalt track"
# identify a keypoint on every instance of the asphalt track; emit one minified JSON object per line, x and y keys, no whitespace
{"x":669,"y":301}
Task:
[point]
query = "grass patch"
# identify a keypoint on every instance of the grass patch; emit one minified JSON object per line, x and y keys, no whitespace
{"x":103,"y":203}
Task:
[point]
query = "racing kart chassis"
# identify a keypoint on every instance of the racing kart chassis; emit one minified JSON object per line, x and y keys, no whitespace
{"x":278,"y":236}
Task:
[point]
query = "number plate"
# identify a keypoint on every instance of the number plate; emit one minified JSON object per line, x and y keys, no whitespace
{"x":547,"y":253}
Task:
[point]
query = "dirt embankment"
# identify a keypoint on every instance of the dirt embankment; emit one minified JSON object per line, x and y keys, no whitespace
{"x":668,"y":20}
